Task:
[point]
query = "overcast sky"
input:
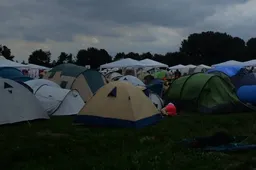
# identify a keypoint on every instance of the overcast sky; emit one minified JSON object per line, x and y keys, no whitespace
{"x":118,"y":25}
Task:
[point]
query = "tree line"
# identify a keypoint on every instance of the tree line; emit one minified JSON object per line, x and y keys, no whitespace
{"x":199,"y":48}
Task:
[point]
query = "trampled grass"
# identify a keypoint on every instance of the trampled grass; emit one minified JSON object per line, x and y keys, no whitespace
{"x":58,"y":144}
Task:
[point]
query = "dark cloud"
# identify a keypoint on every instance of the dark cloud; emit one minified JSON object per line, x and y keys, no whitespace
{"x":119,"y":25}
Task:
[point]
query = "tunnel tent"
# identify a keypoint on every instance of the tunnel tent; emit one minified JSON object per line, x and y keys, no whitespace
{"x":205,"y":93}
{"x":70,"y":76}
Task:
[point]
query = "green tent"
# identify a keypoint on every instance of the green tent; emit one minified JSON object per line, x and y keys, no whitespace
{"x":161,"y":74}
{"x":205,"y":93}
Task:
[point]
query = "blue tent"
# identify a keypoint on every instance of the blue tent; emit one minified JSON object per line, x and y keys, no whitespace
{"x":156,"y":86}
{"x":13,"y":74}
{"x":230,"y":71}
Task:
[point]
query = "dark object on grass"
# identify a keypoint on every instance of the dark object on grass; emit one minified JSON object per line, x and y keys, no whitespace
{"x":219,"y":138}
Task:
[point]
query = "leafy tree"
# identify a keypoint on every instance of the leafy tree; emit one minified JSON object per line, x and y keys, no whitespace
{"x":251,"y":48}
{"x":119,"y":56}
{"x":93,"y":57}
{"x":64,"y":58}
{"x":40,"y":57}
{"x":212,"y":47}
{"x":6,"y":52}
{"x":146,"y":55}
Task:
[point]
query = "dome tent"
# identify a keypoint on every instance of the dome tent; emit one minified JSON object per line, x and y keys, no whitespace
{"x":70,"y":76}
{"x":133,"y":80}
{"x":55,"y":100}
{"x":119,"y":104}
{"x":18,"y":103}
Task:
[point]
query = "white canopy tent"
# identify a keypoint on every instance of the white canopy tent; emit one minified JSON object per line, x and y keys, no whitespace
{"x":33,"y":66}
{"x":201,"y":68}
{"x":124,"y":63}
{"x":229,"y":63}
{"x":152,"y":63}
{"x":179,"y":66}
{"x":127,"y":62}
{"x":7,"y":63}
{"x":249,"y":63}
{"x":185,"y":69}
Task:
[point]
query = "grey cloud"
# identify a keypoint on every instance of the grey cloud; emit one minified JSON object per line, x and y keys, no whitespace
{"x":60,"y":20}
{"x":174,"y":13}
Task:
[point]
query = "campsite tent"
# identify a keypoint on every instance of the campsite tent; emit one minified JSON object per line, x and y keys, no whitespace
{"x":200,"y":68}
{"x":127,"y":62}
{"x":119,"y":104}
{"x":40,"y":82}
{"x":236,"y":74}
{"x":18,"y":103}
{"x":70,"y":76}
{"x":152,"y":63}
{"x":7,"y":63}
{"x":205,"y":93}
{"x":156,"y":100}
{"x":13,"y":74}
{"x":57,"y":101}
{"x":113,"y":76}
{"x":229,"y":63}
{"x":133,"y":80}
{"x":179,"y":66}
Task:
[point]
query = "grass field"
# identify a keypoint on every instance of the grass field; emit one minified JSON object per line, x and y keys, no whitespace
{"x":57,"y":144}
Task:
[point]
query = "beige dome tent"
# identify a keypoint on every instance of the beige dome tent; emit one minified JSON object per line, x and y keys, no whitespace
{"x":119,"y":104}
{"x":70,"y":76}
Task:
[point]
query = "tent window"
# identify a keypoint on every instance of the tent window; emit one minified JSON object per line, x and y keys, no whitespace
{"x":112,"y":93}
{"x":63,"y":84}
{"x":51,"y":75}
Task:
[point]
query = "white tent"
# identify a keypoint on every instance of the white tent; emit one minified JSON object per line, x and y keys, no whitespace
{"x":40,"y":82}
{"x":133,"y":80}
{"x":57,"y":101}
{"x":152,"y":63}
{"x":201,"y":68}
{"x":249,"y":63}
{"x":18,"y":104}
{"x":127,"y":62}
{"x":113,"y":76}
{"x":180,"y":66}
{"x":7,"y":63}
{"x":33,"y":66}
{"x":229,"y":63}
{"x":190,"y":66}
{"x":156,"y":100}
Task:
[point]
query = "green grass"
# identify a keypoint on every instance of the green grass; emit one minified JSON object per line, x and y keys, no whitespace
{"x":57,"y":144}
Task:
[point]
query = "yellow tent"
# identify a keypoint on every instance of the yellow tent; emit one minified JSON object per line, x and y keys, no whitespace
{"x":119,"y":104}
